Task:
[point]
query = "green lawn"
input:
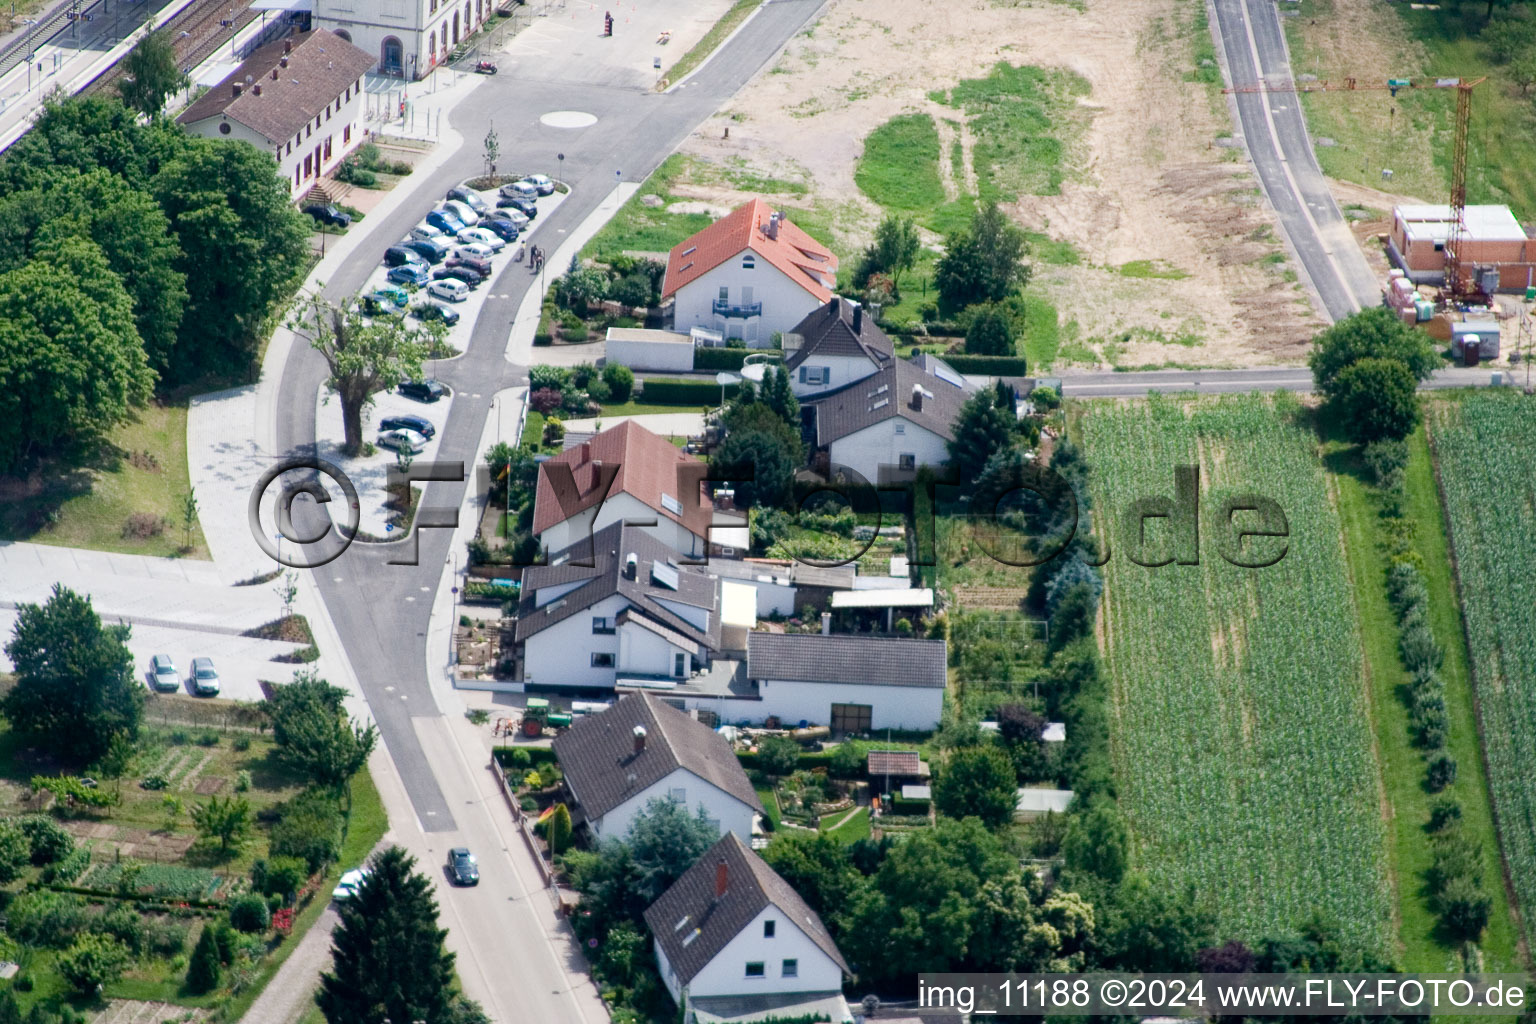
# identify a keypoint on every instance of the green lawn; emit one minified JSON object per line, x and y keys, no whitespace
{"x":770,"y":805}
{"x":143,"y":474}
{"x":899,"y":168}
{"x":712,"y":39}
{"x":849,"y":830}
{"x":1402,"y":764}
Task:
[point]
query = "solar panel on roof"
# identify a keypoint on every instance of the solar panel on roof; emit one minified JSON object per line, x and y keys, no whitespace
{"x":665,"y":574}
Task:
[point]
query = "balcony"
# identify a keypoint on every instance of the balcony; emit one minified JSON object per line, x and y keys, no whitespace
{"x":739,"y":311}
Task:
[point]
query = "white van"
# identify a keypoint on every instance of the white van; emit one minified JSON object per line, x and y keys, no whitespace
{"x":463,"y":211}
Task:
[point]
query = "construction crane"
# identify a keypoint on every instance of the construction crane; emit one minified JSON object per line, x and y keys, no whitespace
{"x":1455,"y":287}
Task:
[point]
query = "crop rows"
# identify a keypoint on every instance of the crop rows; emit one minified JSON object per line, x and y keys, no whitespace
{"x":1483,"y":448}
{"x":1239,"y":720}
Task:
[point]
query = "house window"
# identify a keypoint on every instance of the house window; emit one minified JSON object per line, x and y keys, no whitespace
{"x":768,"y":929}
{"x":679,"y":795}
{"x":603,"y":625}
{"x":725,"y":294}
{"x":901,"y":428}
{"x":602,"y":659}
{"x":813,"y":374}
{"x":907,"y":460}
{"x":749,"y":262}
{"x":755,"y":969}
{"x":791,"y":968}
{"x":346,"y":135}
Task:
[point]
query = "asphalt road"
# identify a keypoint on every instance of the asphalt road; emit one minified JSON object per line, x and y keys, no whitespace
{"x":1216,"y":382}
{"x":1252,"y":45}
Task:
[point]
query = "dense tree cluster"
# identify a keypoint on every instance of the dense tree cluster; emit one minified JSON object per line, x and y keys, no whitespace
{"x":1368,"y":367}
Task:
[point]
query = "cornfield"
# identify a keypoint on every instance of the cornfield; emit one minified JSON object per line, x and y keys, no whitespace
{"x":1482,"y":447}
{"x":1239,"y":720}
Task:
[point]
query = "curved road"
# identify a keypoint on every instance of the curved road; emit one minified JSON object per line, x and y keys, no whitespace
{"x":1252,"y":47}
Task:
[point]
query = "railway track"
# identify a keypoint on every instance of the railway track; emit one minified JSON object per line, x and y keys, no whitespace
{"x":196,"y":33}
{"x":48,"y":24}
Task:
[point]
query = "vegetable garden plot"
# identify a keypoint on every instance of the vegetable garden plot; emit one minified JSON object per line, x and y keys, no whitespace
{"x":1482,"y":446}
{"x":1239,"y":722}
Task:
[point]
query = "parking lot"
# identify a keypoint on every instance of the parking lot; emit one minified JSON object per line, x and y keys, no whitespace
{"x":370,"y":474}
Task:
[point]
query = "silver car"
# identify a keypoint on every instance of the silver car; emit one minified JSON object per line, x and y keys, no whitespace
{"x":403,"y":441}
{"x":163,"y":675}
{"x":205,"y":678}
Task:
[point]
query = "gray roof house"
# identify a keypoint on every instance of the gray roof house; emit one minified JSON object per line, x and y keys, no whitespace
{"x":642,"y":749}
{"x":734,"y":940}
{"x":854,"y":683}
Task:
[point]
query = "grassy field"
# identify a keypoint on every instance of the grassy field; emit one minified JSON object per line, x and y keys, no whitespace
{"x":849,"y":829}
{"x":713,"y":38}
{"x":1241,"y":733}
{"x":1402,"y":764}
{"x":144,"y":473}
{"x":1415,"y":141}
{"x":1493,"y":535}
{"x":899,"y":168}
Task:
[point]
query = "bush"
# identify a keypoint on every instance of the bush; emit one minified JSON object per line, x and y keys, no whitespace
{"x":204,"y":969}
{"x":848,"y":760}
{"x":164,"y":938}
{"x":990,"y":333}
{"x":45,"y":918}
{"x":93,"y":961}
{"x":1386,"y":461}
{"x":1464,"y":909}
{"x":309,"y":830}
{"x":634,"y":290}
{"x":242,"y":743}
{"x":598,"y":391}
{"x":155,"y":781}
{"x":778,"y":755}
{"x":673,"y":391}
{"x":544,"y":400}
{"x":242,"y":781}
{"x":620,"y":380}
{"x":722,"y":358}
{"x":1445,"y":814}
{"x":126,"y":925}
{"x":1419,"y":649}
{"x":249,"y":913}
{"x":1441,"y":773}
{"x":993,"y":366}
{"x":48,"y":839}
{"x":67,"y":868}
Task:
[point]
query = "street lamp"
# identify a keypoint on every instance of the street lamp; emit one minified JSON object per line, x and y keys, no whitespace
{"x":30,"y":23}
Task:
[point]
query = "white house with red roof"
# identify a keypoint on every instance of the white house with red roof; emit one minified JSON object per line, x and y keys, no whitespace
{"x":747,"y":275}
{"x":628,"y":474}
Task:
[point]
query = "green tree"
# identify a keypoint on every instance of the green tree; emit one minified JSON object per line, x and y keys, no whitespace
{"x":1376,"y":400}
{"x":990,"y":333}
{"x":364,"y":356}
{"x":388,"y":957}
{"x":818,"y":868}
{"x":1098,"y":842}
{"x":47,"y":840}
{"x":778,"y":755}
{"x":225,"y":819}
{"x":66,"y":327}
{"x":983,"y":262}
{"x":204,"y":968}
{"x":116,"y":761}
{"x":74,"y":679}
{"x":308,"y":829}
{"x":1150,"y":928}
{"x":896,"y":246}
{"x":665,"y":840}
{"x":979,"y":782}
{"x":981,"y":430}
{"x":620,"y":380}
{"x":86,"y":133}
{"x":93,"y":961}
{"x":1374,"y":333}
{"x":779,"y":396}
{"x":242,"y":246}
{"x":761,"y":452}
{"x":581,"y":288}
{"x":188,"y":519}
{"x":151,"y":74}
{"x":559,"y":830}
{"x":15,"y":851}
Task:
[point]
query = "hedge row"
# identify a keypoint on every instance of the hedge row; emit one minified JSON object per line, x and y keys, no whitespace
{"x":145,"y":900}
{"x":808,"y":761}
{"x":993,"y":366}
{"x":506,"y":756}
{"x":675,"y":391}
{"x":726,"y":358}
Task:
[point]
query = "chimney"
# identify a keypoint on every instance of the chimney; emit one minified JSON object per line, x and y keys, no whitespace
{"x":274,"y":74}
{"x":586,"y":451}
{"x":917,"y":397}
{"x":631,"y":566}
{"x":837,"y":306}
{"x":639,"y":739}
{"x":826,"y":623}
{"x":287,"y":46}
{"x":771,"y":229}
{"x":283,"y":61}
{"x":237,"y":89}
{"x":722,"y":879}
{"x":858,"y":318}
{"x":256,"y":89}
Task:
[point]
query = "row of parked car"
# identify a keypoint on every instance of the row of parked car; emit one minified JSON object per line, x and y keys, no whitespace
{"x":204,"y":679}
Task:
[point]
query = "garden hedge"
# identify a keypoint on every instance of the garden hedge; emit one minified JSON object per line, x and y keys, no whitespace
{"x":675,"y":391}
{"x":726,"y":358}
{"x":994,"y":366}
{"x":536,"y":756}
{"x":809,"y":761}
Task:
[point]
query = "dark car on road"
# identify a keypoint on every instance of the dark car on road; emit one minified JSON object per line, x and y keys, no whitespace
{"x":419,"y":424}
{"x":326,"y":213}
{"x":462,"y":867}
{"x":423,"y":390}
{"x":469,"y":275}
{"x":399,"y":255}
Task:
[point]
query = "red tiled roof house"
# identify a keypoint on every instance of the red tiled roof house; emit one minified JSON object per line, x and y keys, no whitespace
{"x":747,"y":275}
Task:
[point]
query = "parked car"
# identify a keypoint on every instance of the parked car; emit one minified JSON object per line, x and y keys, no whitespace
{"x":347,"y":887}
{"x":512,"y":215}
{"x":326,"y":213}
{"x":399,"y":255}
{"x":205,"y":678}
{"x":410,"y":273}
{"x":462,"y":867}
{"x":423,"y":390}
{"x":483,"y":236}
{"x":473,"y":250}
{"x":449,"y":290}
{"x":425,"y":230}
{"x":522,"y":204}
{"x":163,"y":674}
{"x":420,"y":424}
{"x":545,"y":186}
{"x":466,"y":214}
{"x":434,"y":311}
{"x":372,"y":305}
{"x":456,"y":271}
{"x":526,"y":189}
{"x":464,"y":195}
{"x":433,"y":250}
{"x":446,"y":222}
{"x":403,"y":441}
{"x":502,"y":229}
{"x":389,"y":295}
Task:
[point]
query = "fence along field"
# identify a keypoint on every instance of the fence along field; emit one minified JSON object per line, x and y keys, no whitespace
{"x":1481,"y":445}
{"x":1239,"y":721}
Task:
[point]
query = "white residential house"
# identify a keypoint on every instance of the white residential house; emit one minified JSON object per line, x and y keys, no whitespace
{"x":853,"y":683}
{"x":735,"y":941}
{"x":639,"y":750}
{"x":628,"y":474}
{"x":833,"y":346}
{"x":299,"y":99}
{"x":748,"y":275}
{"x":406,"y":38}
{"x":619,"y":610}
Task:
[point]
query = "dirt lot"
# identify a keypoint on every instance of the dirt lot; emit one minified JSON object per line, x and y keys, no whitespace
{"x":1150,"y":180}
